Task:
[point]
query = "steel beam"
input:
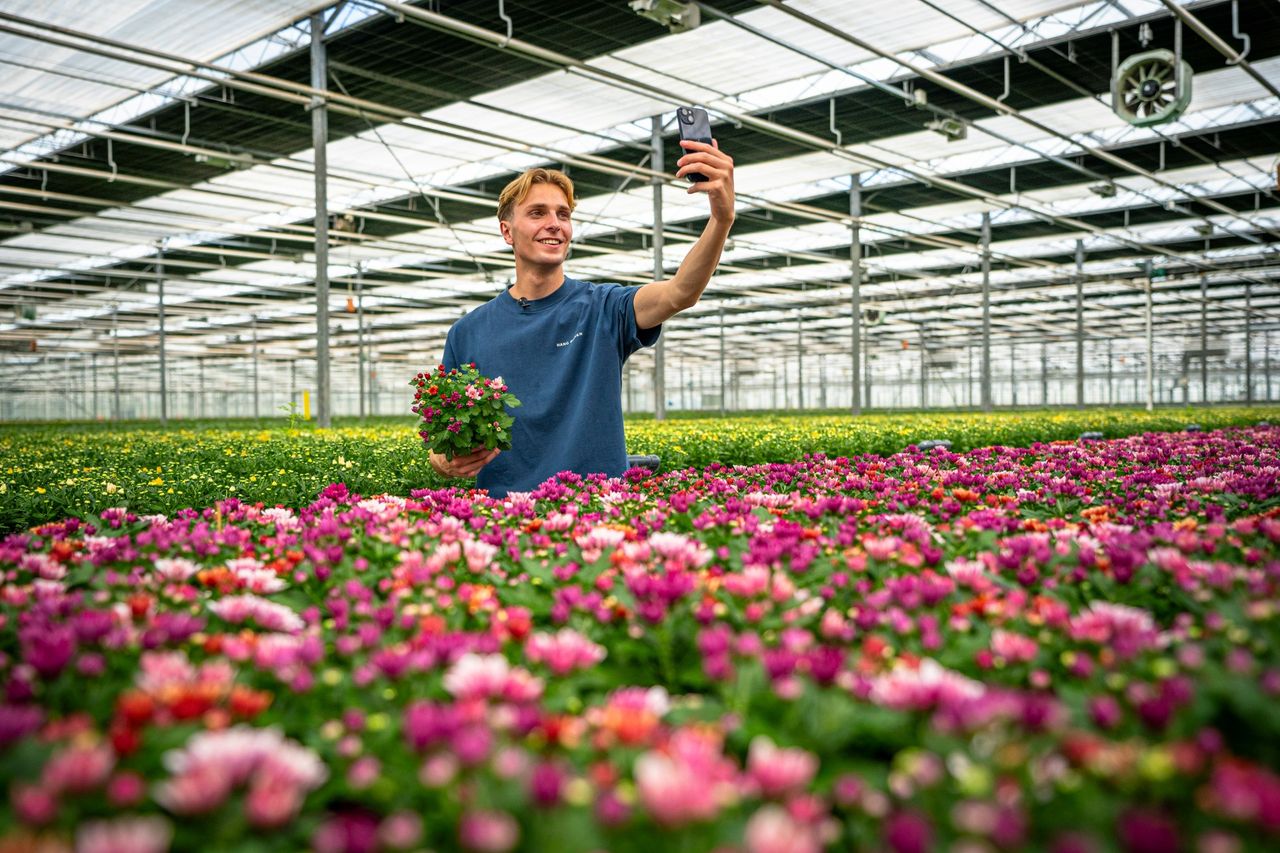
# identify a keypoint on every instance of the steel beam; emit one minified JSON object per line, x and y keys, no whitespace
{"x":164,"y":386}
{"x":1151,"y":343}
{"x":253,"y":323}
{"x":722,"y":386}
{"x":659,"y":354}
{"x":360,"y":338}
{"x":1204,"y":339}
{"x":855,"y":279}
{"x":800,"y":359}
{"x":1248,"y":343}
{"x":115,"y":362}
{"x":986,"y":311}
{"x":924,"y":370}
{"x":319,"y":141}
{"x":1079,"y":324}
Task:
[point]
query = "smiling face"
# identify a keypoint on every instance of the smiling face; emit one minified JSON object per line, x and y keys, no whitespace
{"x":540,"y":227}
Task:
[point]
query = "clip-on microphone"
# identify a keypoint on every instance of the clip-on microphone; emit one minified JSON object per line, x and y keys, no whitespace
{"x":524,"y":303}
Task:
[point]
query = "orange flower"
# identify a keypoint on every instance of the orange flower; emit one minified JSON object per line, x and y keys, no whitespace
{"x":135,"y":708}
{"x":248,"y":703}
{"x":1097,"y":514}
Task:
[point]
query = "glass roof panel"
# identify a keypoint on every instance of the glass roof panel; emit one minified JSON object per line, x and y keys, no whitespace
{"x":78,"y":84}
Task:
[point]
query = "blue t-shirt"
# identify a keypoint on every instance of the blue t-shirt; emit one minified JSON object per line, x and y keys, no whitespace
{"x":562,"y":357}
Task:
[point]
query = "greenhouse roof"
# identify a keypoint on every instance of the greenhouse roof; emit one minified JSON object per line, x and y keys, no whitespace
{"x":170,"y":139}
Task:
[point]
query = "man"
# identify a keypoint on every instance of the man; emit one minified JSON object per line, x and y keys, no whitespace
{"x":559,"y":344}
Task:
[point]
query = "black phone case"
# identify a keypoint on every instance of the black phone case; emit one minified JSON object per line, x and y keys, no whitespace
{"x":694,"y":125}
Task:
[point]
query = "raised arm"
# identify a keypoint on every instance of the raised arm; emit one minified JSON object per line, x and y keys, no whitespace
{"x":659,"y":301}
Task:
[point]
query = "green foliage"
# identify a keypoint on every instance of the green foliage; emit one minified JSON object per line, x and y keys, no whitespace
{"x":462,"y":410}
{"x":54,"y":471}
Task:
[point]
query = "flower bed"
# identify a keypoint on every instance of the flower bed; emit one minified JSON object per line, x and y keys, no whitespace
{"x":52,"y":473}
{"x":1069,"y":647}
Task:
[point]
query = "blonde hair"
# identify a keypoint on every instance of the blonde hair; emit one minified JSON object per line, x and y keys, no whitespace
{"x":516,"y":191}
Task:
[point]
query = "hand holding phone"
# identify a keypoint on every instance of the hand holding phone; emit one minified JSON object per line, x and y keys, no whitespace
{"x":694,"y":125}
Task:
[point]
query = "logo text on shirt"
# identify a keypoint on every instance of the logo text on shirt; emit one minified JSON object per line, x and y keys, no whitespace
{"x":571,"y":340}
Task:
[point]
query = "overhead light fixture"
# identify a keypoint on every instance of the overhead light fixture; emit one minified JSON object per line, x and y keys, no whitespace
{"x":1105,"y":189}
{"x":220,"y":162}
{"x":674,"y":15}
{"x":953,"y":129}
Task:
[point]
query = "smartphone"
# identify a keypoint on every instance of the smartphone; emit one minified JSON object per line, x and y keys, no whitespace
{"x":694,"y":125}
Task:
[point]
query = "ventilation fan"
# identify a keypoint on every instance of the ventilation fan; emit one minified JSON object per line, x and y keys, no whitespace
{"x":1151,"y":88}
{"x":872,"y":316}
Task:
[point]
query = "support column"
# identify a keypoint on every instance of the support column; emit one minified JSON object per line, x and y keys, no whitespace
{"x":360,"y":338}
{"x":822,"y":382}
{"x":866,"y":371}
{"x":800,"y":359}
{"x":1079,"y":324}
{"x":855,"y":279}
{"x":722,"y":386}
{"x":786,"y":379}
{"x":164,"y":386}
{"x":1266,"y":362}
{"x":93,"y":360}
{"x":115,"y":362}
{"x":1204,"y":339}
{"x":253,"y":322}
{"x":968,"y":385}
{"x":986,"y":312}
{"x":737,"y":386}
{"x":924,"y":370}
{"x":200,"y":383}
{"x":683,"y":381}
{"x":1151,"y":347}
{"x":319,"y":141}
{"x":659,"y":356}
{"x":1013,"y":369}
{"x":1044,"y":374}
{"x":1111,"y":394}
{"x":1248,"y":343}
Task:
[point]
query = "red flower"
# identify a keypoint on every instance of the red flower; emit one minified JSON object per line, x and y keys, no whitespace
{"x":139,"y":605}
{"x":135,"y":708}
{"x":248,"y":703}
{"x":190,"y":704}
{"x":124,"y":740}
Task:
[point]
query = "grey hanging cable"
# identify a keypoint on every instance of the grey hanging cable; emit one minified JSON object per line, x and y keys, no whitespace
{"x":435,"y":205}
{"x":1235,"y":31}
{"x":502,"y":13}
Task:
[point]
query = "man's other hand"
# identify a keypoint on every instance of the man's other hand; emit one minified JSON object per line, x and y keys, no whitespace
{"x":462,"y":466}
{"x":717,"y":167}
